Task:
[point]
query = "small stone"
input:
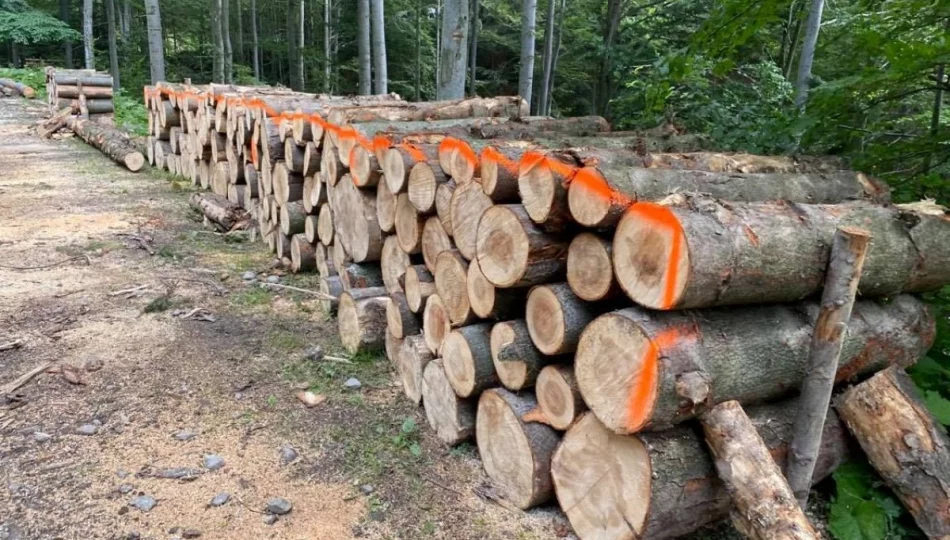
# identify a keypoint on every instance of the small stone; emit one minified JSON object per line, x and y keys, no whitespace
{"x":185,"y":435}
{"x":224,"y":276}
{"x":367,"y":489}
{"x":88,"y":429}
{"x":92,"y":364}
{"x":125,"y":489}
{"x":123,"y":510}
{"x":122,"y":474}
{"x":220,"y":499}
{"x":314,"y":354}
{"x":249,"y":276}
{"x":270,"y":519}
{"x":353,"y":384}
{"x":97,"y":422}
{"x":279,"y":506}
{"x":174,"y":530}
{"x":179,"y":473}
{"x":133,"y":536}
{"x":287,"y":454}
{"x":213,"y":462}
{"x":144,"y":502}
{"x":191,"y":533}
{"x":41,"y":437}
{"x":273,"y":279}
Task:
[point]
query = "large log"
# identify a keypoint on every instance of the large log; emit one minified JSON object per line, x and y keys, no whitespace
{"x":451,"y":271}
{"x":642,"y":369}
{"x":110,"y":141}
{"x":399,"y":161}
{"x":698,"y":252}
{"x":517,"y":361}
{"x":516,"y":454}
{"x":660,"y":485}
{"x":468,"y":204}
{"x":905,"y":445}
{"x":74,"y":79}
{"x":556,"y":317}
{"x":513,"y":252}
{"x":451,"y":417}
{"x":764,"y":506}
{"x":218,"y":209}
{"x":93,"y":106}
{"x":362,"y":322}
{"x":537,"y":126}
{"x":466,"y":354}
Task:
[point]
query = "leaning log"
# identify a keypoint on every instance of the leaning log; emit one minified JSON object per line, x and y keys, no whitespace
{"x":109,"y":141}
{"x":641,"y":369}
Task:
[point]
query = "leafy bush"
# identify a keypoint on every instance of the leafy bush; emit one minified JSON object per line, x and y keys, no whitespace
{"x":33,"y":77}
{"x":130,"y":113}
{"x":863,"y":509}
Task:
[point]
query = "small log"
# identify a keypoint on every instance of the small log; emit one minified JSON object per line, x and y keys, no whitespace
{"x":393,"y":263}
{"x":905,"y":445}
{"x":311,"y":159}
{"x":720,"y":355}
{"x":559,"y":398}
{"x":57,"y":122}
{"x":385,"y":208}
{"x":590,"y":271}
{"x":218,"y":209}
{"x":435,"y":324}
{"x":513,"y":252}
{"x":393,"y":344}
{"x":419,"y":286}
{"x":516,"y":455}
{"x":293,"y":156}
{"x":412,"y":359}
{"x":361,"y":276}
{"x":452,"y":418}
{"x":409,"y":225}
{"x":400,"y":320}
{"x":331,"y":287}
{"x":283,"y":246}
{"x":110,"y":141}
{"x":450,"y":275}
{"x":499,"y":170}
{"x":423,"y":184}
{"x":292,"y":217}
{"x":468,"y":204}
{"x":310,"y":229}
{"x":301,"y":254}
{"x":400,"y":160}
{"x":364,"y":168}
{"x":486,"y":301}
{"x":517,"y":361}
{"x":22,"y":89}
{"x":556,"y":317}
{"x":338,"y":254}
{"x":443,"y":200}
{"x":466,"y":354}
{"x":325,"y":229}
{"x":434,"y":242}
{"x":362,"y":322}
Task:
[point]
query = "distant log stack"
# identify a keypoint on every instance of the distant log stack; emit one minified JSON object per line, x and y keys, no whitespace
{"x":9,"y":87}
{"x":86,"y":92}
{"x":502,"y":262}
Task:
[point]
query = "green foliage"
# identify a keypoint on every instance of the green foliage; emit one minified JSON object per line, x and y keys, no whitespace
{"x":130,"y":113}
{"x":932,"y":373}
{"x":408,"y":437}
{"x":862,"y":509}
{"x":32,"y":77}
{"x":22,"y":24}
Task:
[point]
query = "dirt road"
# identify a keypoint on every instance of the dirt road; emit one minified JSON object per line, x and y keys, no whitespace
{"x":97,"y":268}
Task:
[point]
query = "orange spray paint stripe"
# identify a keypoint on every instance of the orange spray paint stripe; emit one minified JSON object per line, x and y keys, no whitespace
{"x":492,"y":155}
{"x":381,"y":143}
{"x":662,"y":217}
{"x":465,"y":150}
{"x":641,"y":394}
{"x":415,"y":153}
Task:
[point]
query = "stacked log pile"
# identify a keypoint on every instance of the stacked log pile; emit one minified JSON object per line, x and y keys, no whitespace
{"x":569,"y":297}
{"x":84,"y":92}
{"x":11,"y":88}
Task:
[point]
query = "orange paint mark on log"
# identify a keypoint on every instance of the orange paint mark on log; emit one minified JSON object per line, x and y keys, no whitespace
{"x":415,"y":153}
{"x":641,"y":393}
{"x":663,"y":218}
{"x":491,"y":154}
{"x":448,"y":145}
{"x":595,"y":184}
{"x":381,"y":142}
{"x":465,"y":150}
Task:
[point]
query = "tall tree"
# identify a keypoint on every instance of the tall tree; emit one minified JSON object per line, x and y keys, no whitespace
{"x":113,"y":49}
{"x":611,"y":25}
{"x":301,"y":43}
{"x":549,"y":88}
{"x":156,"y":42}
{"x":88,"y":42}
{"x":379,"y":46}
{"x":326,"y":45}
{"x":529,"y":10}
{"x":937,"y":110}
{"x":226,"y":39}
{"x":454,"y":55}
{"x":808,"y":52}
{"x":256,"y":53}
{"x":473,"y":50}
{"x":362,"y":42}
{"x":126,"y":26}
{"x":67,"y":43}
{"x":418,"y":50}
{"x":548,"y":58}
{"x":240,"y":31}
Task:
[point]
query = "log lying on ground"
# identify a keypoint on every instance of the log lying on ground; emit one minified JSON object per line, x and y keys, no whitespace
{"x":466,"y":356}
{"x":57,"y":121}
{"x":412,"y":358}
{"x":698,"y":252}
{"x":764,"y":505}
{"x":20,"y":88}
{"x":517,"y":361}
{"x":590,"y":270}
{"x":904,"y":444}
{"x":109,"y":141}
{"x":362,"y":322}
{"x":664,"y":484}
{"x":556,"y":317}
{"x":218,"y":209}
{"x":301,"y":254}
{"x":513,"y":252}
{"x":92,"y":92}
{"x":451,"y":417}
{"x":559,"y":398}
{"x":516,"y":454}
{"x":642,"y":369}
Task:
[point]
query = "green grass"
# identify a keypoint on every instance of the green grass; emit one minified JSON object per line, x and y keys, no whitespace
{"x":130,"y":113}
{"x":253,"y":296}
{"x":32,"y":77}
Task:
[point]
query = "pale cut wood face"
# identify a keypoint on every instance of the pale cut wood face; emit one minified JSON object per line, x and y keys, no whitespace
{"x":536,"y":185}
{"x":555,"y":397}
{"x":589,"y":268}
{"x":481,"y":293}
{"x":459,"y":363}
{"x":651,"y":257}
{"x":502,"y":246}
{"x":545,"y":319}
{"x":504,"y":448}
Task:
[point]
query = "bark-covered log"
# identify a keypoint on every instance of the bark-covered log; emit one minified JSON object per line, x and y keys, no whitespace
{"x":559,"y":398}
{"x":451,"y":417}
{"x":539,"y":126}
{"x":311,"y":159}
{"x":660,"y":485}
{"x":905,"y":445}
{"x":400,"y":320}
{"x":218,"y":209}
{"x":419,"y":286}
{"x":58,"y":120}
{"x":556,"y":317}
{"x":283,"y":247}
{"x":361,"y":276}
{"x":590,"y":271}
{"x":450,"y":275}
{"x":517,"y":361}
{"x":488,"y":302}
{"x":516,"y":454}
{"x":642,"y":369}
{"x":292,"y":216}
{"x":72,"y":78}
{"x":466,"y":353}
{"x":301,"y":254}
{"x":393,"y":263}
{"x":513,"y":252}
{"x":435,"y":240}
{"x":22,"y":89}
{"x":332,"y":287}
{"x":385,"y":208}
{"x":698,"y":252}
{"x":110,"y":141}
{"x":409,"y":225}
{"x":423,"y":184}
{"x":412,"y":359}
{"x":435,"y":323}
{"x":502,"y":107}
{"x":764,"y":506}
{"x":400,"y":160}
{"x":393,"y":344}
{"x":362,"y":322}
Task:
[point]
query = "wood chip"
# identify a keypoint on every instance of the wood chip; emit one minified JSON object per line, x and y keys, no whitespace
{"x":310,"y":399}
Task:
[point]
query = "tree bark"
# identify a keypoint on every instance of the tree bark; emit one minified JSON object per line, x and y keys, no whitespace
{"x":68,"y":43}
{"x":473,"y":50}
{"x":326,"y":46}
{"x":217,"y":208}
{"x":110,"y":141}
{"x":377,"y":11}
{"x":939,"y":75}
{"x":516,"y":454}
{"x":549,"y":90}
{"x":704,"y":253}
{"x":808,"y":52}
{"x":363,"y":45}
{"x":362,"y":322}
{"x":452,"y":418}
{"x":301,"y":45}
{"x":664,"y":484}
{"x":239,"y":11}
{"x":556,"y":317}
{"x":848,"y":251}
{"x":548,"y":60}
{"x":602,"y":93}
{"x":418,"y":66}
{"x":764,"y":505}
{"x":649,"y":370}
{"x":905,"y":445}
{"x":87,"y":38}
{"x":529,"y":9}
{"x":218,"y":41}
{"x":301,"y":254}
{"x":226,"y":39}
{"x":256,"y":51}
{"x":513,"y":252}
{"x":517,"y":361}
{"x":453,"y":50}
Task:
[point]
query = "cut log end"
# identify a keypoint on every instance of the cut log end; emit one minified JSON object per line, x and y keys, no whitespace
{"x":452,"y":418}
{"x":450,"y":281}
{"x":502,"y":246}
{"x":435,"y":323}
{"x":590,"y":271}
{"x":591,"y":201}
{"x":466,"y":353}
{"x":558,"y":396}
{"x":419,"y":286}
{"x":362,"y":322}
{"x":651,"y":257}
{"x":517,"y":361}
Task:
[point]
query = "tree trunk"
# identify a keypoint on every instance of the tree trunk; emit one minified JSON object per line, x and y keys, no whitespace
{"x":362,"y":322}
{"x":529,"y":9}
{"x":648,"y":370}
{"x":513,"y":252}
{"x":590,"y":271}
{"x":662,"y":485}
{"x":435,"y":324}
{"x":326,"y":45}
{"x":87,"y":38}
{"x":218,"y":40}
{"x":937,"y":109}
{"x":559,"y":398}
{"x":473,"y":50}
{"x":454,"y":50}
{"x":516,"y":454}
{"x":301,"y":46}
{"x":256,"y":52}
{"x":68,"y":44}
{"x":703,"y":253}
{"x":548,"y":58}
{"x":556,"y":317}
{"x":808,"y":52}
{"x":418,"y":81}
{"x":110,"y":141}
{"x":113,"y":48}
{"x":848,"y":251}
{"x":905,"y":445}
{"x":239,"y":10}
{"x":517,"y":361}
{"x":226,"y":38}
{"x":764,"y":505}
{"x":378,"y":25}
{"x":602,"y":93}
{"x":549,"y":91}
{"x":363,"y":45}
{"x":452,"y":418}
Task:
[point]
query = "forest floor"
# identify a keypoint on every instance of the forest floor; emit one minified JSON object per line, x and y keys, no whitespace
{"x":97,"y":268}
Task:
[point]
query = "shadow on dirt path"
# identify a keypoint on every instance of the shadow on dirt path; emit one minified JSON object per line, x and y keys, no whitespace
{"x":80,"y":289}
